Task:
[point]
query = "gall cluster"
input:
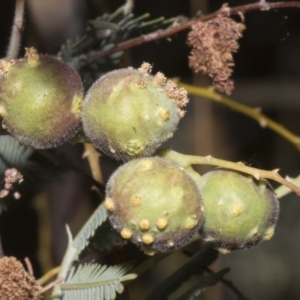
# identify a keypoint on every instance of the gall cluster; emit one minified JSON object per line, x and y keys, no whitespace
{"x":127,"y":114}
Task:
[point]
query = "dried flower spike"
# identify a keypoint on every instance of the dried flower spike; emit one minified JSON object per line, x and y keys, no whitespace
{"x":15,"y":282}
{"x":213,"y":43}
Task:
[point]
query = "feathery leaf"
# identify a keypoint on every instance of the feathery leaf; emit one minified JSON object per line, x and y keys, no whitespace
{"x":88,"y":230}
{"x":103,"y":33}
{"x":95,"y":282}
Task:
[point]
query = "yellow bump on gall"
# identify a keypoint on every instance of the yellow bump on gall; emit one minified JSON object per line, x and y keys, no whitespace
{"x":4,"y":65}
{"x":191,"y":222}
{"x":170,"y":243}
{"x":253,"y":232}
{"x":147,"y":164}
{"x":144,"y":224}
{"x":32,"y":56}
{"x":223,"y":251}
{"x":147,"y":238}
{"x":77,"y":104}
{"x":236,"y":209}
{"x":134,"y":147}
{"x":162,"y":223}
{"x":2,"y":110}
{"x":136,"y":201}
{"x":209,"y":238}
{"x":126,"y":233}
{"x":220,"y":202}
{"x":109,"y":204}
{"x":182,"y":113}
{"x":268,"y":234}
{"x":111,"y":149}
{"x":149,"y":252}
{"x":170,"y":135}
{"x":164,"y":113}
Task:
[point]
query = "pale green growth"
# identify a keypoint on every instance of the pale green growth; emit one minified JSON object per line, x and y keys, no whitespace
{"x":157,"y":201}
{"x":128,"y":113}
{"x":240,"y":211}
{"x":40,"y":100}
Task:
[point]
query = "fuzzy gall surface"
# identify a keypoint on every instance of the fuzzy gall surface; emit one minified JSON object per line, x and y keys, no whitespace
{"x":240,"y":212}
{"x":128,"y":113}
{"x":155,"y":204}
{"x":40,"y":100}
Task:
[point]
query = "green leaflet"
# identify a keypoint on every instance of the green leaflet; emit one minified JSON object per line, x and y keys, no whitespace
{"x":13,"y":154}
{"x":105,"y":239}
{"x":90,"y":276}
{"x":95,"y":282}
{"x":89,"y":228}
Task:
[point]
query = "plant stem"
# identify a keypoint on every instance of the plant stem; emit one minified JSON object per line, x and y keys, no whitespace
{"x":177,"y":27}
{"x":16,"y":32}
{"x":188,"y":160}
{"x":253,"y":113}
{"x":70,"y":255}
{"x":282,"y":190}
{"x":61,"y":162}
{"x":48,"y":275}
{"x":92,"y":155}
{"x":229,"y":284}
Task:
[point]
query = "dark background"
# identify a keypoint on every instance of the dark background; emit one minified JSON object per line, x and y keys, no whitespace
{"x":266,"y":74}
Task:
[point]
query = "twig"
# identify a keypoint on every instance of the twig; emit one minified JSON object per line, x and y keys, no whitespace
{"x":16,"y":32}
{"x":253,"y":113}
{"x":92,"y":155}
{"x":175,"y":28}
{"x":61,"y":162}
{"x":29,"y":266}
{"x":282,"y":190}
{"x":48,"y":275}
{"x":57,"y":281}
{"x":229,"y":284}
{"x":188,"y":160}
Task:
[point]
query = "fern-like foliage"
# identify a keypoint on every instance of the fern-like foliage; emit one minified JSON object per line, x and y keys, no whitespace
{"x":80,"y":242}
{"x":88,"y":230}
{"x":104,"y":33}
{"x":12,"y":154}
{"x":95,"y":282}
{"x":203,"y":283}
{"x":104,"y":239}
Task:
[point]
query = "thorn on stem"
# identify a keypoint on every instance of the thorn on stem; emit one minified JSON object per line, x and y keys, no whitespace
{"x":264,"y":5}
{"x":29,"y":266}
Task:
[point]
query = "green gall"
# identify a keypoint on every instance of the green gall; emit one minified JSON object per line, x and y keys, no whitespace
{"x":128,"y":113}
{"x":155,"y":204}
{"x":240,"y":212}
{"x":40,"y":100}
